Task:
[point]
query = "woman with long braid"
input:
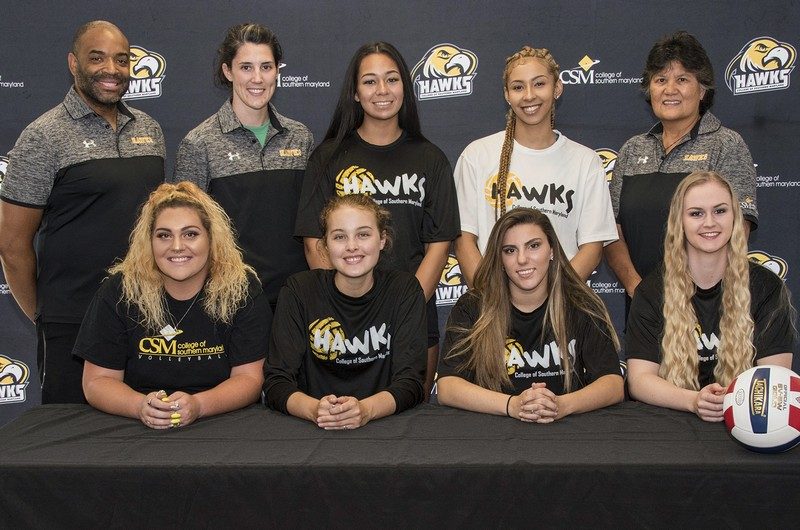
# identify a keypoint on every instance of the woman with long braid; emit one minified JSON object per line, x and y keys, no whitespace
{"x":531,"y":164}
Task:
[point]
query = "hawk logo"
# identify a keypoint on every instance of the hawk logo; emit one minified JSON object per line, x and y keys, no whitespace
{"x":14,"y":376}
{"x":147,"y":74}
{"x":451,"y":284}
{"x":609,"y":159}
{"x":89,"y":143}
{"x":773,"y":263}
{"x":3,"y":169}
{"x":763,"y":64}
{"x":445,"y":71}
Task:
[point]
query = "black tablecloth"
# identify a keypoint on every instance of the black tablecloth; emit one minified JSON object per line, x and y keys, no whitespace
{"x":629,"y":465}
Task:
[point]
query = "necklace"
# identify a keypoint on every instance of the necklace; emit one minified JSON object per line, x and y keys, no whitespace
{"x":669,"y":147}
{"x":170,"y":331}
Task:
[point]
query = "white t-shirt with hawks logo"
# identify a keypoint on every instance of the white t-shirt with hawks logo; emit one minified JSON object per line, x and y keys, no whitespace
{"x":566,"y":181}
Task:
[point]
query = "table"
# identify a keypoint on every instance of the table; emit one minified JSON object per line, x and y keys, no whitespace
{"x":627,"y":465}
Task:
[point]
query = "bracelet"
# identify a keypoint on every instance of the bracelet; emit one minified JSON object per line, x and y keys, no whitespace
{"x":507,"y":404}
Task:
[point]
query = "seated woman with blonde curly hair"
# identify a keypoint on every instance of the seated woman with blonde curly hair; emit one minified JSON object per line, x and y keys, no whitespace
{"x":180,"y":329}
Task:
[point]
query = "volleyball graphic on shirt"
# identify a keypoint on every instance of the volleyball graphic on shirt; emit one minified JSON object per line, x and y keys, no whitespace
{"x":512,"y":193}
{"x":513,"y":349}
{"x":355,"y":179}
{"x":324,"y":334}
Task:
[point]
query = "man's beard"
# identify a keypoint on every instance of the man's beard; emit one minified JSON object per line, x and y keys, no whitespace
{"x":87,"y":84}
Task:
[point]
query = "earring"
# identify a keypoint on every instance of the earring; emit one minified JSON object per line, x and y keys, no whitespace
{"x":551,"y":257}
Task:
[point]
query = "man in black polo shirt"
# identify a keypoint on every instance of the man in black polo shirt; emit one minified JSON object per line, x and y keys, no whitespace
{"x":75,"y":178}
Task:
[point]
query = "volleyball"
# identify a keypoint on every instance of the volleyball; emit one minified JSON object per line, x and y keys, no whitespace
{"x":322,"y":336}
{"x":354,"y":179}
{"x":762,"y":409}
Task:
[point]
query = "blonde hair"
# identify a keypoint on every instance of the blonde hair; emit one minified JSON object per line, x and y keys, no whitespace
{"x":484,"y":344}
{"x":511,"y":122}
{"x":226,"y":287}
{"x":735,"y":353}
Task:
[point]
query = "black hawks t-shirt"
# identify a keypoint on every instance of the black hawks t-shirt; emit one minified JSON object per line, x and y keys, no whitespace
{"x":197,"y":358}
{"x":772,"y":332}
{"x":531,"y":357}
{"x":411,"y":178}
{"x":326,"y":342}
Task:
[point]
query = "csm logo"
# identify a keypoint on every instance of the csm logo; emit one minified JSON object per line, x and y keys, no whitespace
{"x":287,"y":80}
{"x":763,"y":64}
{"x":586,"y":74}
{"x":147,"y":74}
{"x":445,"y":71}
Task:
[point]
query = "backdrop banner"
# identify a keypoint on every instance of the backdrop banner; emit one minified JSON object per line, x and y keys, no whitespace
{"x":600,"y":46}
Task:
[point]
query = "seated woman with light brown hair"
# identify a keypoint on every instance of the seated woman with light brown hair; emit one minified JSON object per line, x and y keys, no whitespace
{"x":531,"y":340}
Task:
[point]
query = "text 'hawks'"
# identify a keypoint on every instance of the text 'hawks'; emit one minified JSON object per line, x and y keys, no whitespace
{"x":374,"y":339}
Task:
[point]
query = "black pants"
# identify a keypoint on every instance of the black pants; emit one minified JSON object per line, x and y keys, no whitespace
{"x":60,"y":372}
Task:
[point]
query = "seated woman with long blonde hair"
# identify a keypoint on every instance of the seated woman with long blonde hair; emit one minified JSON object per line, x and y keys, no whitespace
{"x":709,"y":313}
{"x":180,"y":329}
{"x":531,"y":340}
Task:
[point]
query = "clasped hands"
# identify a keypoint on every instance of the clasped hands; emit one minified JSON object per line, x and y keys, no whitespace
{"x":534,"y":405}
{"x":340,"y":413}
{"x":160,"y":411}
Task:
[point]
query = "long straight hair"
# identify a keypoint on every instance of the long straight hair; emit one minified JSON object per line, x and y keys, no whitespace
{"x":735,"y":353}
{"x":483,"y":346}
{"x":349,"y":114}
